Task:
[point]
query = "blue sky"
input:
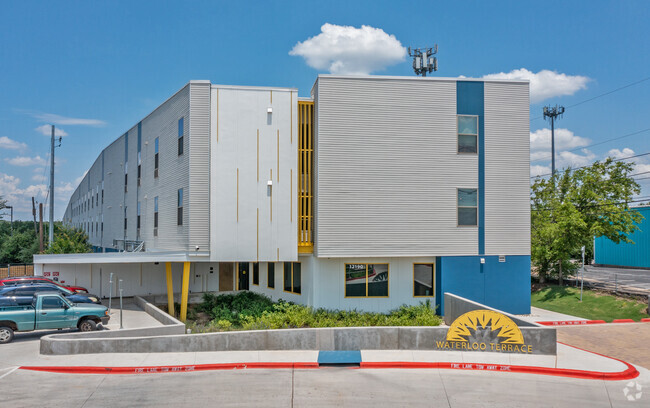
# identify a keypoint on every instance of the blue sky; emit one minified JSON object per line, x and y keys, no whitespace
{"x":96,"y":68}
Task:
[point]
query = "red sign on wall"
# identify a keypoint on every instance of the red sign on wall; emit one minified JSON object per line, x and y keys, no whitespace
{"x":55,"y":274}
{"x":46,"y":274}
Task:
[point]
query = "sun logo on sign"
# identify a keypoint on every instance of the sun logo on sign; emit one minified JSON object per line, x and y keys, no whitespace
{"x":501,"y":326}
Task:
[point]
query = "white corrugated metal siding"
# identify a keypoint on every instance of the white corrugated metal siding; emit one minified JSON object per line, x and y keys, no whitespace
{"x":507,"y":169}
{"x":387,"y":169}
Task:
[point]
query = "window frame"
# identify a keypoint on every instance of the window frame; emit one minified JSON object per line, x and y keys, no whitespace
{"x":345,"y":289}
{"x":155,"y":216}
{"x":465,"y":206}
{"x":256,"y":273}
{"x":433,"y":279}
{"x":179,"y":207}
{"x":284,"y":271}
{"x":270,"y":283}
{"x":458,"y":134}
{"x":181,"y":135}
{"x":156,"y":159}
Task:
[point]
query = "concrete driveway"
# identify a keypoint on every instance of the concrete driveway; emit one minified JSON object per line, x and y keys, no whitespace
{"x":326,"y":387}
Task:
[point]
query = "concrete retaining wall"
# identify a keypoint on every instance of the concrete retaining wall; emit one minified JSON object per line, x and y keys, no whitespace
{"x":152,"y":340}
{"x":104,"y":341}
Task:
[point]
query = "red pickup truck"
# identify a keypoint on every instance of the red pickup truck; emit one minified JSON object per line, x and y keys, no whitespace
{"x":22,"y":280}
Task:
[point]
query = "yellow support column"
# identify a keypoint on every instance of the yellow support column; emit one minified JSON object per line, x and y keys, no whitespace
{"x":170,"y":289}
{"x":185,"y":290}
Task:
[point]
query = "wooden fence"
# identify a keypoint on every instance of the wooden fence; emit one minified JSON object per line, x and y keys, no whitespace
{"x":12,"y":270}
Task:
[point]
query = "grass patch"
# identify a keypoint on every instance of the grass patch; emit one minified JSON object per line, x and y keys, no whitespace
{"x":594,"y":306}
{"x":253,"y":311}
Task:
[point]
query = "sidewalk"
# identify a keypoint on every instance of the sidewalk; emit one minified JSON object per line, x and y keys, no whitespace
{"x":543,"y":315}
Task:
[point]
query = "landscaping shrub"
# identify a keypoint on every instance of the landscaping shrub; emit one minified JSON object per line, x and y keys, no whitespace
{"x":253,"y":311}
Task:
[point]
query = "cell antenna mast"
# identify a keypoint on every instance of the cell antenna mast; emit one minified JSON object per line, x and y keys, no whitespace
{"x":553,"y":112}
{"x":424,"y":60}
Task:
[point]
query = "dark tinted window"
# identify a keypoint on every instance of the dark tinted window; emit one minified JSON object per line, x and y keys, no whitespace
{"x":51,"y":302}
{"x":25,"y":292}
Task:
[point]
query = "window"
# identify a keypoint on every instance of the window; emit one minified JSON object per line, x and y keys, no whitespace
{"x":366,"y":280}
{"x":51,"y":302}
{"x":155,"y":216}
{"x":126,"y":183}
{"x":125,"y":222}
{"x":270,"y":275}
{"x":423,"y":279}
{"x":179,"y":214}
{"x":467,"y":207}
{"x":180,"y":136}
{"x":137,"y":222}
{"x":292,"y":278}
{"x":467,"y":134}
{"x":256,"y":273}
{"x":139,"y":173}
{"x":102,"y":196}
{"x":155,"y":159}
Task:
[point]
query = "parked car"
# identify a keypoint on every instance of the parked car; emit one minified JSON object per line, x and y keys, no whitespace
{"x":23,"y":294}
{"x":50,"y":310}
{"x":21,"y":280}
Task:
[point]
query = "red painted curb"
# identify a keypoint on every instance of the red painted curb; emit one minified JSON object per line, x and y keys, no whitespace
{"x":629,"y":373}
{"x":570,"y":322}
{"x":622,"y":321}
{"x":166,"y":369}
{"x":646,"y":320}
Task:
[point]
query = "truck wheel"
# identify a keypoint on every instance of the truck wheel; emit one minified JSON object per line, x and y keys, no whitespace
{"x":87,"y":325}
{"x":6,"y":334}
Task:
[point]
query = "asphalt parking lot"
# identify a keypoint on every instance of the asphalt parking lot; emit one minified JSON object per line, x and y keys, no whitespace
{"x":636,"y":279}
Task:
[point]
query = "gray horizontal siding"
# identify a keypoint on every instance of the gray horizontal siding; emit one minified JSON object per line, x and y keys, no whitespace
{"x":199,"y":166}
{"x":507,"y":169}
{"x":387,"y":169}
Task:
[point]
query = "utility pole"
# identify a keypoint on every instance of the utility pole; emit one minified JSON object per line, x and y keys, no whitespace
{"x":553,"y":112}
{"x":34,"y":214}
{"x":50,"y":235}
{"x":40,"y":228}
{"x":11,"y":207}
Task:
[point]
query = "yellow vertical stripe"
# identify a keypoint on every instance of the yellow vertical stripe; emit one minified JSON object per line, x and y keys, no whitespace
{"x":278,"y":152}
{"x":258,"y":155}
{"x":217,"y":115}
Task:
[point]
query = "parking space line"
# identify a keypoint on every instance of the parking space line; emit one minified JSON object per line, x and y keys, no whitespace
{"x":8,"y":372}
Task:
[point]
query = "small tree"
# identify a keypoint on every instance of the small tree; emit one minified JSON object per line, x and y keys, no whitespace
{"x":3,"y":205}
{"x":69,"y":240}
{"x":571,"y":208}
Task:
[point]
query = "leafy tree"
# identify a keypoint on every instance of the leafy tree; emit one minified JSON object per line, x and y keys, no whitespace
{"x":69,"y":240}
{"x":3,"y":205}
{"x":571,"y":208}
{"x":18,"y":247}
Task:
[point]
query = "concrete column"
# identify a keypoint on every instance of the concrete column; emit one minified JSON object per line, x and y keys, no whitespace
{"x":170,"y":289}
{"x":185,"y":290}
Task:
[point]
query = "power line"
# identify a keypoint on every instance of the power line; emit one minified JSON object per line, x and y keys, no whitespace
{"x":603,"y":94}
{"x":637,"y":200}
{"x":582,"y":167}
{"x":638,"y":174}
{"x":596,"y":144}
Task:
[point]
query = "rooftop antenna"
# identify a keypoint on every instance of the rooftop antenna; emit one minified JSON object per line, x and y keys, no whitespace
{"x":552,"y":112}
{"x":424,"y":60}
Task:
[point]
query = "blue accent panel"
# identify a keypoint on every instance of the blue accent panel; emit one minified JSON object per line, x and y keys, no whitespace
{"x":502,"y":285}
{"x":339,"y":357}
{"x":470,"y":101}
{"x":607,"y":252}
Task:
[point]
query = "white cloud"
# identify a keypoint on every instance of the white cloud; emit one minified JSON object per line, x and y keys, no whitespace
{"x":27,"y":161}
{"x":619,"y":154}
{"x":348,"y":50}
{"x":63,"y":120}
{"x":545,"y":84}
{"x":6,"y":143}
{"x":538,"y":170}
{"x":46,"y":130}
{"x":64,"y":188}
{"x":79,"y":179}
{"x":20,"y":198}
{"x":564,"y":140}
{"x":39,"y":178}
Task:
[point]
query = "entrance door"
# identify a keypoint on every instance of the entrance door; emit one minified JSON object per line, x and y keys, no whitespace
{"x":225,"y":277}
{"x":242,"y":276}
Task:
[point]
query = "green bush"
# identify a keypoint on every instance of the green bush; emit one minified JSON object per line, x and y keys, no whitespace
{"x":253,"y":311}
